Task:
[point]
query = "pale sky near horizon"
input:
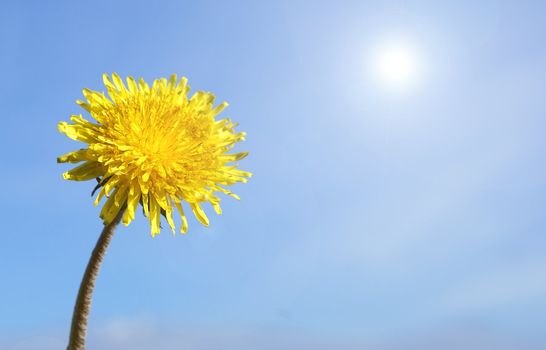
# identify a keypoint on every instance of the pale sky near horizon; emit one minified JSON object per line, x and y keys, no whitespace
{"x":399,"y":184}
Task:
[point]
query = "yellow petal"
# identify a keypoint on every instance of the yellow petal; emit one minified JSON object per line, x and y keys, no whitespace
{"x":86,"y":171}
{"x":184,"y":227}
{"x":234,"y":157}
{"x":132,"y":204}
{"x":145,"y":204}
{"x":118,"y":82}
{"x":183,"y":85}
{"x":200,"y":214}
{"x":131,"y":84}
{"x":110,"y":183}
{"x":219,"y":109}
{"x":217,"y":208}
{"x":143,"y":86}
{"x":106,"y":81}
{"x":229,"y":193}
{"x":110,"y":209}
{"x":84,"y":105}
{"x":120,"y":197}
{"x":77,"y":132}
{"x":169,"y":213}
{"x":96,"y":99}
{"x":154,"y":217}
{"x":172,"y":81}
{"x":74,"y":157}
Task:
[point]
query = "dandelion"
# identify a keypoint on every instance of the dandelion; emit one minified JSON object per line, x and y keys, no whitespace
{"x":153,"y":146}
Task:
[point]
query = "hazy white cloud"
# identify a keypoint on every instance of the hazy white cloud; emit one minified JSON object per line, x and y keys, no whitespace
{"x":34,"y":342}
{"x":515,"y":283}
{"x":145,"y":334}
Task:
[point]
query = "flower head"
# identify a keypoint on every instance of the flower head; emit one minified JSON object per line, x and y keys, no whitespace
{"x":154,"y":146}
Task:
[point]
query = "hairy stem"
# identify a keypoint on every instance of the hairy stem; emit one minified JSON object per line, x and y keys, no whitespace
{"x":85,"y":294}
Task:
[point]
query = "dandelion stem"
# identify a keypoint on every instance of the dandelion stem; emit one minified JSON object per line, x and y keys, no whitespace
{"x":85,"y":294}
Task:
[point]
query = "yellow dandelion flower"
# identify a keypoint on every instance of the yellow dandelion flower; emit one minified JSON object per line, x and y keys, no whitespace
{"x":154,"y":146}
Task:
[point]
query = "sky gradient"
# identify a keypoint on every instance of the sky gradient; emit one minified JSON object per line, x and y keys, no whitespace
{"x":376,"y":219}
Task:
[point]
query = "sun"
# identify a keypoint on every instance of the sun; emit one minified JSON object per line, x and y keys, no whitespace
{"x":396,"y":66}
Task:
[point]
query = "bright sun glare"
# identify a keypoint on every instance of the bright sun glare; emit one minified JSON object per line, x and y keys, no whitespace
{"x":395,"y":66}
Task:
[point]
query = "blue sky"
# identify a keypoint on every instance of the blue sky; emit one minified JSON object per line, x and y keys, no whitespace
{"x":376,"y":219}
